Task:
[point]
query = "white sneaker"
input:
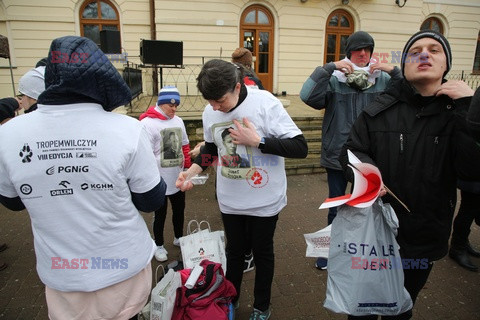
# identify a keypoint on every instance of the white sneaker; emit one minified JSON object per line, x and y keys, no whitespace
{"x":161,"y":254}
{"x":176,"y":242}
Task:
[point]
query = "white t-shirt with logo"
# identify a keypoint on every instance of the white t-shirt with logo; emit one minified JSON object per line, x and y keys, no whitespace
{"x":74,"y":167}
{"x":250,"y":182}
{"x":159,"y":132}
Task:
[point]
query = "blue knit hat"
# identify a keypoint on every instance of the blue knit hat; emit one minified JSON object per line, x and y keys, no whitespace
{"x":168,"y":95}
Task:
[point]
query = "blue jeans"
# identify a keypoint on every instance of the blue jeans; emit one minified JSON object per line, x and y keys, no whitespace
{"x":336,"y":187}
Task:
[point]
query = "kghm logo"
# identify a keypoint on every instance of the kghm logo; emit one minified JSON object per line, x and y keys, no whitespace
{"x":62,"y":192}
{"x":97,"y":186}
{"x":26,"y":153}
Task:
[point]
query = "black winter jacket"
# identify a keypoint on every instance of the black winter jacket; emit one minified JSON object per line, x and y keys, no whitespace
{"x":473,"y":117}
{"x":413,"y":140}
{"x":78,"y":71}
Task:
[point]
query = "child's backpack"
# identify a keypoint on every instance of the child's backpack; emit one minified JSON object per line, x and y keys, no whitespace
{"x":209,"y":299}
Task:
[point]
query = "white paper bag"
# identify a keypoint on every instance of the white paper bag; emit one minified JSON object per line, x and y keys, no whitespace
{"x":164,"y":295}
{"x":318,"y":243}
{"x":200,"y":244}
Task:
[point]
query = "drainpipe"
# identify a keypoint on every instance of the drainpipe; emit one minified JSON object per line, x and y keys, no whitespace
{"x":153,"y":36}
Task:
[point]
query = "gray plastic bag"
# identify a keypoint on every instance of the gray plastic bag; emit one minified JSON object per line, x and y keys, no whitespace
{"x":365,"y":274}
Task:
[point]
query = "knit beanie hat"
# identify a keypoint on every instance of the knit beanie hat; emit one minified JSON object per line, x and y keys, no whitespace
{"x":357,"y":41}
{"x":42,"y":62}
{"x":242,"y":56}
{"x":428,"y":34}
{"x":32,"y":83}
{"x":8,"y":106}
{"x":168,"y":95}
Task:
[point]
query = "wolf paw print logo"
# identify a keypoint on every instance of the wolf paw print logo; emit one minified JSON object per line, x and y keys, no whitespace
{"x":201,"y":251}
{"x":257,"y":178}
{"x":26,"y":153}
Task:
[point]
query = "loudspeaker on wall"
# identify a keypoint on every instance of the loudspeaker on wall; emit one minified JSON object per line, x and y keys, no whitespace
{"x":168,"y":53}
{"x":110,"y":41}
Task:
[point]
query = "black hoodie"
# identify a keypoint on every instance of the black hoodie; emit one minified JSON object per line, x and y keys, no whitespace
{"x":78,"y":71}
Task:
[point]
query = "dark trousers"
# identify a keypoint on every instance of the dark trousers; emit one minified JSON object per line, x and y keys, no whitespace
{"x":178,"y":217}
{"x":415,"y":279}
{"x":260,"y":237}
{"x":336,"y":187}
{"x":469,"y":208}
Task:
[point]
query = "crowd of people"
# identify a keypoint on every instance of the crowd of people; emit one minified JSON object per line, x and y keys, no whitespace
{"x":418,"y":128}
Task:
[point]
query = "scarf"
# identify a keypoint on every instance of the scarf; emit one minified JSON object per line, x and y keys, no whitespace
{"x":360,"y":78}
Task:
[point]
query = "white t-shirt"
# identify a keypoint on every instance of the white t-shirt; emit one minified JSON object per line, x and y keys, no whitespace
{"x":250,"y":182}
{"x":163,"y":134}
{"x":74,"y":167}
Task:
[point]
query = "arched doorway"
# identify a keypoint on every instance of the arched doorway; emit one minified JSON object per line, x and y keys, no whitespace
{"x":256,"y":34}
{"x":432,"y":23}
{"x":339,"y":28}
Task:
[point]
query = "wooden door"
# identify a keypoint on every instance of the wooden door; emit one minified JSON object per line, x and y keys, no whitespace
{"x":256,"y":34}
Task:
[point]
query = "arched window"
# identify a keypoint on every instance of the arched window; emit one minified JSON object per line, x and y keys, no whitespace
{"x":432,"y":23}
{"x":98,"y":15}
{"x":339,"y":28}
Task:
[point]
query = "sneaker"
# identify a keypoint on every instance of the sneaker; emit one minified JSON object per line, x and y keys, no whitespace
{"x":260,"y":315}
{"x":249,"y":263}
{"x":321,"y":264}
{"x":176,"y":242}
{"x":161,"y":254}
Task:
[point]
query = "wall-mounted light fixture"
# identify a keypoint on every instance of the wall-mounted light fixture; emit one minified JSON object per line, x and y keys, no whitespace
{"x":401,"y":1}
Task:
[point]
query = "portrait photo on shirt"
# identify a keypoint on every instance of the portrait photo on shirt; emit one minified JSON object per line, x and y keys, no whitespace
{"x":171,"y":155}
{"x":234,"y":159}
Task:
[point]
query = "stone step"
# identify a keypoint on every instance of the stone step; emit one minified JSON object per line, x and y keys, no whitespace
{"x":309,"y":125}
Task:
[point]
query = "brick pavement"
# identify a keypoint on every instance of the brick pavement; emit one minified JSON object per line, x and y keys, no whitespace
{"x":298,"y":288}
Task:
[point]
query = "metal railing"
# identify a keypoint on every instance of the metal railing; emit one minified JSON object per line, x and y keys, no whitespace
{"x":473,"y":80}
{"x":185,"y":80}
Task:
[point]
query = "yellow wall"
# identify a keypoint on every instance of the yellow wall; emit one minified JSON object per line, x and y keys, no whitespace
{"x":210,"y":28}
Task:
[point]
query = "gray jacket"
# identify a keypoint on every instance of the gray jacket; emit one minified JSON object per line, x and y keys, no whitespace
{"x":342,"y":106}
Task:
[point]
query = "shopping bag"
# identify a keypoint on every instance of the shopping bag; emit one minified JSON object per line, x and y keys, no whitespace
{"x":318,"y":243}
{"x":209,"y":297}
{"x":365,"y":274}
{"x":200,"y":244}
{"x":163,"y":295}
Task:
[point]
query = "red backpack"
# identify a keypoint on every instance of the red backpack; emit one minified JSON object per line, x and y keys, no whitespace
{"x":208,"y":299}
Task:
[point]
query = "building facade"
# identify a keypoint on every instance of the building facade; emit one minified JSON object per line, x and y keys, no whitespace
{"x":288,"y":38}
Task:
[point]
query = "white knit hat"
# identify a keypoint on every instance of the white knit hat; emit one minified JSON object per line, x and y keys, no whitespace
{"x":32,"y":83}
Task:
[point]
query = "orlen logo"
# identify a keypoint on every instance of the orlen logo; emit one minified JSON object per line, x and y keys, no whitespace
{"x":66,"y":169}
